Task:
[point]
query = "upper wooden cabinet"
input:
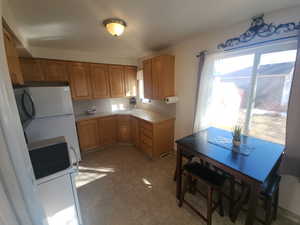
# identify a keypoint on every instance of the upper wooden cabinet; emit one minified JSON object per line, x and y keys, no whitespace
{"x":55,"y":70}
{"x":12,"y":59}
{"x":147,"y":76}
{"x":87,"y":80}
{"x":116,"y":78}
{"x":100,"y":81}
{"x":159,"y":77}
{"x":130,"y":80}
{"x":32,"y":70}
{"x":79,"y":78}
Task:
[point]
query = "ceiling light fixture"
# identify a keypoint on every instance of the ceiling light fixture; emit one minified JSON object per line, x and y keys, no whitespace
{"x":115,"y":26}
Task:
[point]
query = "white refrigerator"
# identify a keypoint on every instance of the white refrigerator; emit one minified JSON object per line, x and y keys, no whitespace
{"x":54,"y":117}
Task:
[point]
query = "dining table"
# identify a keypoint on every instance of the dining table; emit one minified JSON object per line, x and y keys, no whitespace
{"x":251,"y":163}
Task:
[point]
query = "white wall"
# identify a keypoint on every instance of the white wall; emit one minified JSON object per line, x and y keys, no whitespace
{"x":101,"y":105}
{"x":186,"y":78}
{"x":80,"y":56}
{"x":16,"y":174}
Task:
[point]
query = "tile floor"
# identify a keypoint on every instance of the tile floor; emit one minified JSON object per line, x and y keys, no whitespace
{"x":121,"y":186}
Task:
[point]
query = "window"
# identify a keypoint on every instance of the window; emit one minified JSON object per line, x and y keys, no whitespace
{"x":252,"y":89}
{"x":141,"y":87}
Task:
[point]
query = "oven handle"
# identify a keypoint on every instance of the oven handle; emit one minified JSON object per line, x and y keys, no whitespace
{"x":76,"y":157}
{"x":31,"y":116}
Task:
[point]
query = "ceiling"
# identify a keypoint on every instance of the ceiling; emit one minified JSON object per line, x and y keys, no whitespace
{"x":152,"y":24}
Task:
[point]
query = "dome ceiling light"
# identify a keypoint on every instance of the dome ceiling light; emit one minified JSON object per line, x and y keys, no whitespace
{"x":115,"y":26}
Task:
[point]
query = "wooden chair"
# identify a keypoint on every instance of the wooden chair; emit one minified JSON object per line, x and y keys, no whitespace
{"x":212,"y":180}
{"x":188,"y":157}
{"x":270,"y":196}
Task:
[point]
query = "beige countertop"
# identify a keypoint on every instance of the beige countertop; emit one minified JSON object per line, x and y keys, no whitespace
{"x":149,"y":116}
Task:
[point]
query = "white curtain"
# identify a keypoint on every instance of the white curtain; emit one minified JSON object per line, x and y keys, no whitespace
{"x":19,"y":203}
{"x":203,"y":98}
{"x":291,"y":160}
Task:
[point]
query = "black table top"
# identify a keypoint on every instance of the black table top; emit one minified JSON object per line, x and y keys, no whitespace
{"x":257,"y":165}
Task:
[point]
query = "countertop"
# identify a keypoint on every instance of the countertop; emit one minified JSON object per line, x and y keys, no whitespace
{"x":148,"y":116}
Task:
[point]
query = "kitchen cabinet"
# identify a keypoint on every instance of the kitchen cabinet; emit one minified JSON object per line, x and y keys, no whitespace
{"x":159,"y":80}
{"x":79,"y":78}
{"x":124,"y":134}
{"x":156,"y":138}
{"x":87,"y":80}
{"x":32,"y":70}
{"x":88,"y":133}
{"x":147,"y":76}
{"x":55,"y":70}
{"x":130,"y":80}
{"x":108,"y":130}
{"x":117,"y":82}
{"x":100,"y":81}
{"x":12,"y":59}
{"x":135,"y":131}
{"x":153,"y":139}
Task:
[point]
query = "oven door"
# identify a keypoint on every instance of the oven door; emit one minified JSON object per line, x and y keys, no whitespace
{"x":25,"y":106}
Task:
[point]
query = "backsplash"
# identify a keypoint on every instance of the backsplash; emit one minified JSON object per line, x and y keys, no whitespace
{"x":102,"y":105}
{"x":159,"y":107}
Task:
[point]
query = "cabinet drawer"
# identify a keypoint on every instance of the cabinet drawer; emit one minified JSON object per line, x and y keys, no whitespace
{"x":146,"y":125}
{"x":147,"y":149}
{"x":124,"y":120}
{"x":146,"y":140}
{"x":147,"y":132}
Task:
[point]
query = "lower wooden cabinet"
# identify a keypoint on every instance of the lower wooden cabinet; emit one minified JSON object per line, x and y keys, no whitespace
{"x":135,"y":131}
{"x":124,"y":135}
{"x":108,"y":130}
{"x":152,"y":139}
{"x":88,"y":133}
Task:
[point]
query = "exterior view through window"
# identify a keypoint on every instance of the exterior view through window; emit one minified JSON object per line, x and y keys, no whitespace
{"x":252,"y":90}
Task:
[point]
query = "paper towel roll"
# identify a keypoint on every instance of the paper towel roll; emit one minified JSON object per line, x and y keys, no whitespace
{"x":172,"y":99}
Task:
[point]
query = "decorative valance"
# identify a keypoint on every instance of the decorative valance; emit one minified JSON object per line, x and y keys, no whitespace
{"x":262,"y":32}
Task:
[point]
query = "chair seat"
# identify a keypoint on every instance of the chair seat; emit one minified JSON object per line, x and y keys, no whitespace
{"x":187,"y":155}
{"x":204,"y":173}
{"x":270,"y":185}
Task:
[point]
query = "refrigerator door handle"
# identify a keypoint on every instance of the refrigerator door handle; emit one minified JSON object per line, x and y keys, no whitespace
{"x":76,"y":157}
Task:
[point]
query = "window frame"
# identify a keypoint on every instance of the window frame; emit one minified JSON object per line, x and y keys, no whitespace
{"x":257,"y":52}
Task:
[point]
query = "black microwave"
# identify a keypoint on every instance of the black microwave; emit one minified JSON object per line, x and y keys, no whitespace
{"x":25,"y":105}
{"x":49,"y":156}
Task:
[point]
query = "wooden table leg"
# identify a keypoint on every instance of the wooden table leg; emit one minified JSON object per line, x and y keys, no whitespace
{"x":179,"y":172}
{"x":254,"y":195}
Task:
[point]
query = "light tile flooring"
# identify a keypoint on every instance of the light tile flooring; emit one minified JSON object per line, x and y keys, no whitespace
{"x":121,"y":186}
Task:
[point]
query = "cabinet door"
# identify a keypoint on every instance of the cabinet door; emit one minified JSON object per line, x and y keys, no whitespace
{"x":130,"y":80}
{"x":80,"y":81}
{"x":100,"y":81}
{"x":31,"y":69}
{"x":163,"y":76}
{"x":108,"y":130}
{"x":117,"y":83}
{"x":124,"y":134}
{"x":156,"y":74}
{"x":147,"y":76}
{"x":55,"y":71}
{"x":135,"y":131}
{"x":88,"y":133}
{"x":12,"y":59}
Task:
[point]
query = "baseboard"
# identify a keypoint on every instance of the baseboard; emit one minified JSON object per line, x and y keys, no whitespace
{"x":289,"y":215}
